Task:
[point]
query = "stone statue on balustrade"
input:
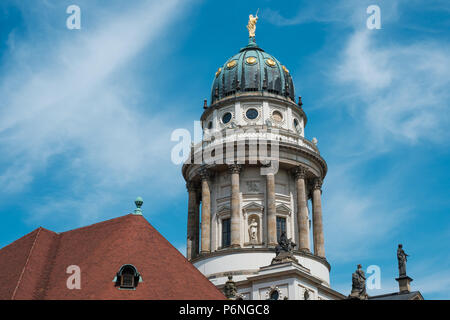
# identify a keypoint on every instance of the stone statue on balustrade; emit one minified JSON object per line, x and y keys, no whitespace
{"x":229,"y":289}
{"x":358,"y":285}
{"x":402,"y":259}
{"x":284,"y":250}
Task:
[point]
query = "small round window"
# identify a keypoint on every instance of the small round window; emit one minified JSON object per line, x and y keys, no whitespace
{"x":251,"y":114}
{"x":274,"y":295}
{"x":226,"y":117}
{"x":277,"y":116}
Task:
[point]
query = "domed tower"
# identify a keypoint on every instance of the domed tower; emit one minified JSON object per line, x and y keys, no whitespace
{"x":254,"y":177}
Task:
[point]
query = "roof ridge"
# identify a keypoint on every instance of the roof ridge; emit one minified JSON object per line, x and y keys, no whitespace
{"x":9,"y":244}
{"x":97,"y":223}
{"x":26,"y":262}
{"x":183,"y":257}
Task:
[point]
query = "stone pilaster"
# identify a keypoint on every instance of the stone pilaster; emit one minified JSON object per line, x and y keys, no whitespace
{"x":302,"y":209}
{"x":271,"y":210}
{"x":319,"y":248}
{"x":190,"y":244}
{"x":234,"y":170}
{"x":404,"y":284}
{"x":206,"y":213}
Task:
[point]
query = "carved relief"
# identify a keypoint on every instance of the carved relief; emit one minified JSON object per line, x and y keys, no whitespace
{"x":253,"y":186}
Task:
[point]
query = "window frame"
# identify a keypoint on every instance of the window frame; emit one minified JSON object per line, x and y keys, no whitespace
{"x":226,"y":241}
{"x":127,"y":278}
{"x":280,"y":226}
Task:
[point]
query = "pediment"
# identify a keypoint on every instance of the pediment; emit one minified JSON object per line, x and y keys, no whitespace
{"x":224,"y":209}
{"x":253,"y":206}
{"x":282,"y":208}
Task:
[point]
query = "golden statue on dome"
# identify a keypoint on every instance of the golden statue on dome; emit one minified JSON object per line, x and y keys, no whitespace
{"x":251,"y":26}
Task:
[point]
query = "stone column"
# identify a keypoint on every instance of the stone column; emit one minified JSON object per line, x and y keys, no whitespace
{"x":319,"y":248}
{"x":271,"y":210}
{"x":196,"y":250}
{"x":190,"y":244}
{"x":302,"y":209}
{"x":206,"y":213}
{"x":234,"y":170}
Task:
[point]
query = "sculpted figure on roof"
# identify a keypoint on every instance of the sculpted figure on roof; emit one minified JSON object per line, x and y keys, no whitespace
{"x":251,"y":26}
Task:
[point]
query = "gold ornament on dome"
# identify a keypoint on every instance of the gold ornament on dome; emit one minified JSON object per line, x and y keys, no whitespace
{"x":251,"y":60}
{"x":251,"y":25}
{"x":231,"y":64}
{"x":285,"y":69}
{"x":270,"y":62}
{"x":218,"y":72}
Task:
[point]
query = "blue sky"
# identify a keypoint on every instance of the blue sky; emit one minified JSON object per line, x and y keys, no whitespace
{"x":86,"y":117}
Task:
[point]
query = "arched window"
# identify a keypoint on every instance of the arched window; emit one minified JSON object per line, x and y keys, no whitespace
{"x":128,"y":277}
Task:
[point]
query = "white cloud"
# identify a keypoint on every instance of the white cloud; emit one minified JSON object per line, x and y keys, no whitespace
{"x":69,"y":104}
{"x":402,"y":90}
{"x":349,"y":12}
{"x":358,"y":217}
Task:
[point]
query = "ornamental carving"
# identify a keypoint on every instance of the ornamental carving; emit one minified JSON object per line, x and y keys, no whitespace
{"x":317,"y":184}
{"x":253,"y":186}
{"x":234,"y":168}
{"x":205,"y":173}
{"x":191,"y":186}
{"x":300,"y":172}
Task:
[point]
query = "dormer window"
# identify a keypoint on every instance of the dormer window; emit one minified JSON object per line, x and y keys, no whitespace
{"x":128,"y":277}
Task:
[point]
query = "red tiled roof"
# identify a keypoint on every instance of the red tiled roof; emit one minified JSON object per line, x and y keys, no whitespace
{"x":34,"y":266}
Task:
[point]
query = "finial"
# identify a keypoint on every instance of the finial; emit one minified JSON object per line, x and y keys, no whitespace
{"x":251,"y":26}
{"x":300,"y":103}
{"x":205,"y":104}
{"x":138,"y":202}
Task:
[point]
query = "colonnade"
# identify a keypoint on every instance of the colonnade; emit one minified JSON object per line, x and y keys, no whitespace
{"x":202,"y":194}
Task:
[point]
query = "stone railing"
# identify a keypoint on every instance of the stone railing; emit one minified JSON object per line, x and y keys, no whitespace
{"x":279,"y":135}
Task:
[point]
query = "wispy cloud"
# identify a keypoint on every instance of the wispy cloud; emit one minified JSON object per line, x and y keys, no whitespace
{"x":356,"y":221}
{"x":402,"y":89}
{"x":69,"y":102}
{"x":391,"y":94}
{"x":344,"y":13}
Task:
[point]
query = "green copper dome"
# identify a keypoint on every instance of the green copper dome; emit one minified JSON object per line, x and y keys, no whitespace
{"x":252,"y":70}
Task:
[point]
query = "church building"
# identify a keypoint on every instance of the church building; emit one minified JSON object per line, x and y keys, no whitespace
{"x":239,"y":207}
{"x":254,"y":220}
{"x":255,"y":230}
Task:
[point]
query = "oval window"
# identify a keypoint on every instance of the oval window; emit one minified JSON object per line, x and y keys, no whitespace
{"x":210,"y":125}
{"x":277,"y":116}
{"x":226,"y":117}
{"x":251,"y":114}
{"x":274,"y":295}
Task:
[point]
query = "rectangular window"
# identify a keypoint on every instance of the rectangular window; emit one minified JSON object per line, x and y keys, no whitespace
{"x":281,"y":226}
{"x":127,"y":281}
{"x":226,"y":233}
